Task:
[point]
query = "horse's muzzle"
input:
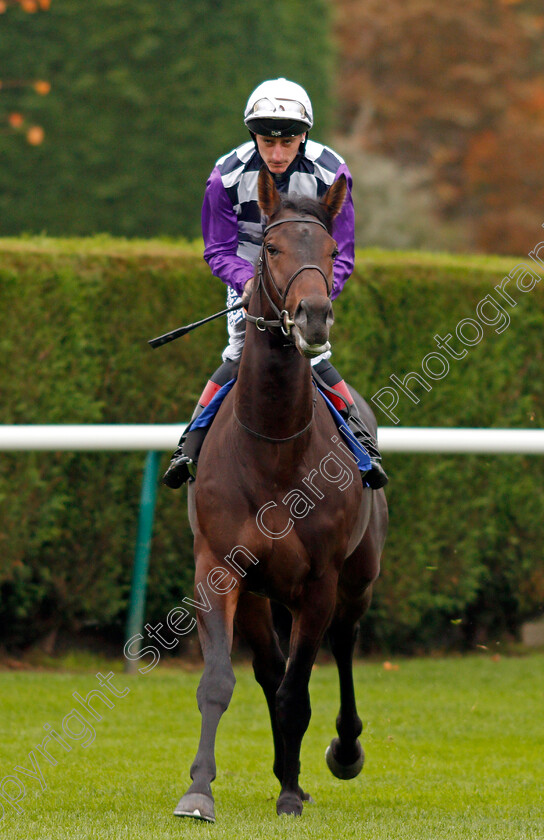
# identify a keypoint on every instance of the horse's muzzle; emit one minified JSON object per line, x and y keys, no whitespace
{"x":312,"y":322}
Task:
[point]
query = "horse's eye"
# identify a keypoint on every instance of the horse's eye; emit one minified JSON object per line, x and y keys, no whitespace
{"x":334,"y":253}
{"x":271,"y":250}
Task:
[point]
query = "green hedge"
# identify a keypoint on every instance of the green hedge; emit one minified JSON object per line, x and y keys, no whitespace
{"x":463,"y":561}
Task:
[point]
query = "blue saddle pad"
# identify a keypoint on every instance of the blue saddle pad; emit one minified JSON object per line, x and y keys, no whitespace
{"x":359,"y":452}
{"x":360,"y":455}
{"x":206,"y":416}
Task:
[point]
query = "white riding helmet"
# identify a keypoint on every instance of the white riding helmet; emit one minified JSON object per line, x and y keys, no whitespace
{"x":279,"y":108}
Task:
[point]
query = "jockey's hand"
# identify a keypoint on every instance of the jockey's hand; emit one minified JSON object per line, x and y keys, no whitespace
{"x":248,"y":289}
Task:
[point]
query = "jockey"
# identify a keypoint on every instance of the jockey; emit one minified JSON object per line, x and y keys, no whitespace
{"x":279,"y":116}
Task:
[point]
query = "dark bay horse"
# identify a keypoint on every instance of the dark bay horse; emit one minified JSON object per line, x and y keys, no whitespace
{"x":279,"y":511}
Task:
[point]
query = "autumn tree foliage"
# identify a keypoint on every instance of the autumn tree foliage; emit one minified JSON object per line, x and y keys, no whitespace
{"x":459,"y":88}
{"x":16,"y":121}
{"x":30,"y":6}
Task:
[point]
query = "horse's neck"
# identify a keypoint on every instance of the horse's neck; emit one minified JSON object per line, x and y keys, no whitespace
{"x":274,"y":392}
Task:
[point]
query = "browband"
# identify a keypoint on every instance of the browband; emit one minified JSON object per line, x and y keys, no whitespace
{"x":295,"y":219}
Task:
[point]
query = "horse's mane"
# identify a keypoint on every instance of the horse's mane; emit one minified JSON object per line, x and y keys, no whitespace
{"x":305,"y":206}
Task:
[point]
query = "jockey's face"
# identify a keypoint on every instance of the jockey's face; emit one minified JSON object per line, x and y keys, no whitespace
{"x":279,"y":152}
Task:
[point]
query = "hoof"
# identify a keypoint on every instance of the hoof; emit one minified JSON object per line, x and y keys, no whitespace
{"x":289,"y":803}
{"x":196,"y":805}
{"x":344,"y":771}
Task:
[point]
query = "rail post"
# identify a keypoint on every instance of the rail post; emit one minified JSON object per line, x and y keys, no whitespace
{"x":138,"y":588}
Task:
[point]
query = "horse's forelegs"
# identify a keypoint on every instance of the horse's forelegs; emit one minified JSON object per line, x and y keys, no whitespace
{"x":213,"y":696}
{"x":293,"y":699}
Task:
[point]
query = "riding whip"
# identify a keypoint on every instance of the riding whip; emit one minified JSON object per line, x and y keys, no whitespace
{"x":171,"y":336}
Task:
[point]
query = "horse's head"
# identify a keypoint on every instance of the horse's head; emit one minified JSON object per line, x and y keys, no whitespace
{"x":296,"y":262}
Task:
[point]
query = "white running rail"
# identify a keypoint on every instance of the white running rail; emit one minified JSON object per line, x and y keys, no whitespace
{"x":160,"y":438}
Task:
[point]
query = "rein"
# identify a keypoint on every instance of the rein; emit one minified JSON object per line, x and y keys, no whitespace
{"x":284,"y":321}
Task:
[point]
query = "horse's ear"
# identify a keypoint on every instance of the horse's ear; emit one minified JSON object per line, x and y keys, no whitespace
{"x":334,"y":197}
{"x":269,"y":197}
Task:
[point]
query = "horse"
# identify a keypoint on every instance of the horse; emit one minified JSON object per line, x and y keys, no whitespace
{"x":279,"y":512}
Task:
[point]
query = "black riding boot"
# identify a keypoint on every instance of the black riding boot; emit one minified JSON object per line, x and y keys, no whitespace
{"x":180,"y":470}
{"x":182,"y":467}
{"x":375,"y":477}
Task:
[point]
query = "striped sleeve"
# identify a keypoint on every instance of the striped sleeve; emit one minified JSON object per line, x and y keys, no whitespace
{"x":220,"y":232}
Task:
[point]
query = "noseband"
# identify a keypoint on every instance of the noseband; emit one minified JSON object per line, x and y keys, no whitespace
{"x":284,"y":321}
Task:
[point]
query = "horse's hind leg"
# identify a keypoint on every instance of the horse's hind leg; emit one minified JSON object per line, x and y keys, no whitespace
{"x":215,"y":626}
{"x":345,"y":755}
{"x":255,"y":623}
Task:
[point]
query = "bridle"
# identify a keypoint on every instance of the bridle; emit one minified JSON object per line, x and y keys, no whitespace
{"x":284,"y":320}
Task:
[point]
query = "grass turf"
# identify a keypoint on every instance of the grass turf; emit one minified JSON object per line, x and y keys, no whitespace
{"x":455,"y":749}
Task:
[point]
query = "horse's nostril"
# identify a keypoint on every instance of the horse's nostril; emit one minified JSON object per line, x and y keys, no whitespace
{"x":314,"y":309}
{"x":301,"y":315}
